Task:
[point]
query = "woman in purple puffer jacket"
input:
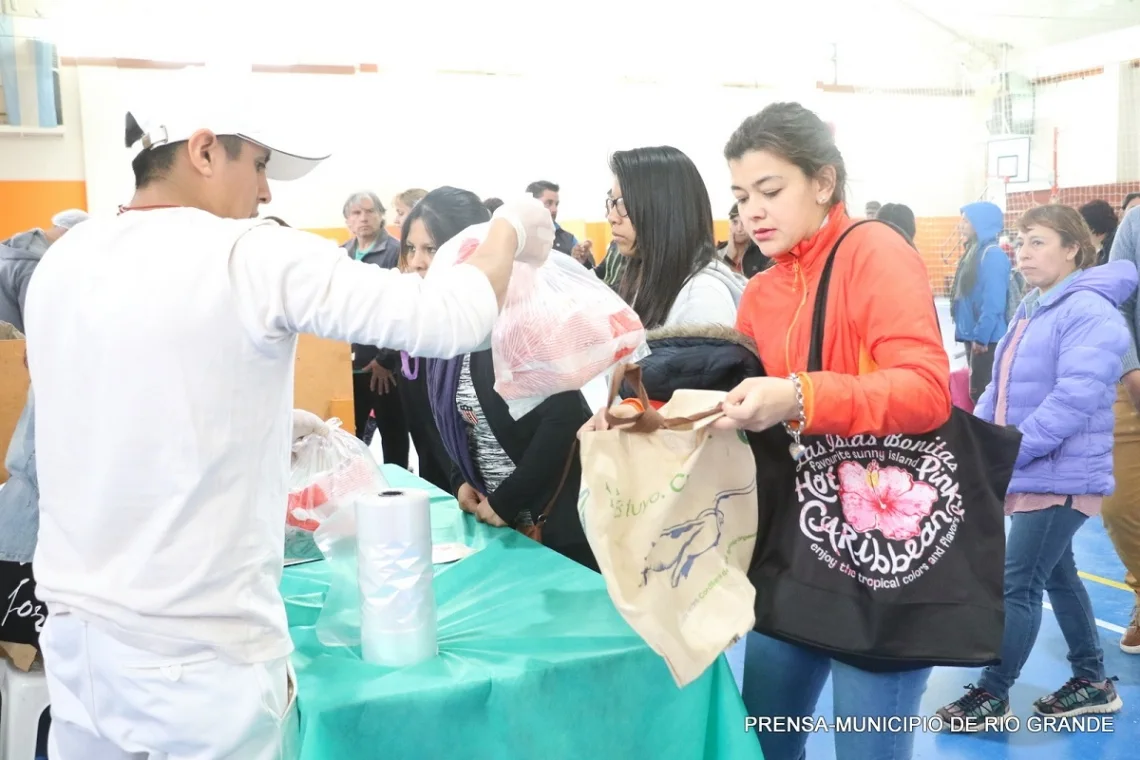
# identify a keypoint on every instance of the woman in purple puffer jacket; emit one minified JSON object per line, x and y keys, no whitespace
{"x":1055,"y":375}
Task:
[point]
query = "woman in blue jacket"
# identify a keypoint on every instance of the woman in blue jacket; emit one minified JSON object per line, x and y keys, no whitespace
{"x":981,"y":290}
{"x":1055,"y":379}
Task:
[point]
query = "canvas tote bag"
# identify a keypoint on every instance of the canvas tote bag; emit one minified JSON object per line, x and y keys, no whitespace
{"x":889,"y":551}
{"x":668,"y":505}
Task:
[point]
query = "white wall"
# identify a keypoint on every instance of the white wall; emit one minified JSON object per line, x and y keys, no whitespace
{"x":1096,"y":116}
{"x":1084,"y":112}
{"x":927,"y":152}
{"x":495,"y":134}
{"x":1097,"y":119}
{"x":48,"y":156}
{"x":1086,"y":53}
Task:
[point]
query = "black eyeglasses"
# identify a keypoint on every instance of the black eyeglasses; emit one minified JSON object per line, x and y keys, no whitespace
{"x":617,"y":204}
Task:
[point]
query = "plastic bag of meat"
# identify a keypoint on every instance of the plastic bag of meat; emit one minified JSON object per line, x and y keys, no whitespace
{"x":328,"y":472}
{"x":560,"y":326}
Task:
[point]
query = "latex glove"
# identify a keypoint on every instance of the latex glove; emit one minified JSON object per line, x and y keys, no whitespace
{"x":307,"y":423}
{"x":534,"y":228}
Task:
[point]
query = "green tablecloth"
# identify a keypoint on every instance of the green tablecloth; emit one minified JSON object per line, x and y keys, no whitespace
{"x":535,"y":664}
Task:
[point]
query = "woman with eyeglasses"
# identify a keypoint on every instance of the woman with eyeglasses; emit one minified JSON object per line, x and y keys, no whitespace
{"x":659,"y":211}
{"x":683,"y":290}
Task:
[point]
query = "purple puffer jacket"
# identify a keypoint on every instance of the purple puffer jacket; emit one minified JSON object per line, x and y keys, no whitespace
{"x":1062,"y":383}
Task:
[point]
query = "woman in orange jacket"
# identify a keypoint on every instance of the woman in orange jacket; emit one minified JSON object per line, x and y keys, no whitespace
{"x":888,"y":373}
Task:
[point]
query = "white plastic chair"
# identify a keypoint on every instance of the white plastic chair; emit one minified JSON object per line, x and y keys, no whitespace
{"x":25,"y":697}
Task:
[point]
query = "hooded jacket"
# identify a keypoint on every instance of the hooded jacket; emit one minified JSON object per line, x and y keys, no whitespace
{"x":981,"y":282}
{"x":885,"y":369}
{"x":711,"y":296}
{"x":1062,"y":382}
{"x":19,"y":256}
{"x":702,"y":357}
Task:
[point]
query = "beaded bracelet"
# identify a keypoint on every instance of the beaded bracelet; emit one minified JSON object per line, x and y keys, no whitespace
{"x":796,"y":448}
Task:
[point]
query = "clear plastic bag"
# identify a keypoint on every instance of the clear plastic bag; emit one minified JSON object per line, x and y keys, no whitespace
{"x":338,"y":625}
{"x":560,"y":326}
{"x":329,"y":472}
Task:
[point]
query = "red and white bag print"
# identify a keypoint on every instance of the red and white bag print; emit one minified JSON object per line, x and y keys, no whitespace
{"x":327,"y":474}
{"x":560,"y":326}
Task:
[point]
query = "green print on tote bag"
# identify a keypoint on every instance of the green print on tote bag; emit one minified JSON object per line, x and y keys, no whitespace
{"x":668,"y":505}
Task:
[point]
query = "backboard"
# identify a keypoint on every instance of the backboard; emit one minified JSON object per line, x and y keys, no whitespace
{"x":1008,"y":158}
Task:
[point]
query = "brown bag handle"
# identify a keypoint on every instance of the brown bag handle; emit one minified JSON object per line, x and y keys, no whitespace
{"x":649,"y":420}
{"x":534,"y":532}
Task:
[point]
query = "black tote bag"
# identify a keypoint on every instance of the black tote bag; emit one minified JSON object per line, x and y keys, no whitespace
{"x":885,"y":552}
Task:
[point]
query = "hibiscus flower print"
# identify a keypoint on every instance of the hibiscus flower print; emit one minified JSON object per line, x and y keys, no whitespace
{"x":885,"y":499}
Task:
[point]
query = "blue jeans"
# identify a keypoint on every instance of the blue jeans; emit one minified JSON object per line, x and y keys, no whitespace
{"x":785,"y":680}
{"x":1039,"y":558}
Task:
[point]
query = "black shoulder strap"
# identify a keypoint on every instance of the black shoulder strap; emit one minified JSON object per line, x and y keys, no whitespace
{"x":819,"y":313}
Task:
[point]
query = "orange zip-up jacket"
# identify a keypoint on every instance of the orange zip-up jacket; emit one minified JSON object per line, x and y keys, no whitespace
{"x":886,"y":370}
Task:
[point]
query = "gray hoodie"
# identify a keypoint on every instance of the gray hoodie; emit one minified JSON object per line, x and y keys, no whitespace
{"x":19,"y":256}
{"x":711,"y":296}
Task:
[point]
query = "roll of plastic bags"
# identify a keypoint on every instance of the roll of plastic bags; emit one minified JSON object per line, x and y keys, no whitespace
{"x":398,"y":625}
{"x":560,"y":326}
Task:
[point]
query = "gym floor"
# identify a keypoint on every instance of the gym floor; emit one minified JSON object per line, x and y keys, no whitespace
{"x":1046,"y":670}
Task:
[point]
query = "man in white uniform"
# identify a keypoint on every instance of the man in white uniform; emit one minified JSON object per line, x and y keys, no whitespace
{"x":164,"y":462}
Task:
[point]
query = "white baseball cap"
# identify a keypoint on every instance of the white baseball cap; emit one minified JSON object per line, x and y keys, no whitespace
{"x":193,"y":100}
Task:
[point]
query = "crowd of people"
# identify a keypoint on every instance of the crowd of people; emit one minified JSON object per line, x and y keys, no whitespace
{"x":164,"y":549}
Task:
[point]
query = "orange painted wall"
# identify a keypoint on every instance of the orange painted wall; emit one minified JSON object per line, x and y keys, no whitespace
{"x":940,"y":245}
{"x":337,"y":234}
{"x":25,"y":205}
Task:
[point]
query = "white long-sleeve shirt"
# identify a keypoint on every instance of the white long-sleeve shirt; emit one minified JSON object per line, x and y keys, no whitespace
{"x":161,"y":345}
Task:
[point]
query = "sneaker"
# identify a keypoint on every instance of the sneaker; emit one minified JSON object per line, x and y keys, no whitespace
{"x":1080,"y":696}
{"x":975,"y":711}
{"x":1130,"y":641}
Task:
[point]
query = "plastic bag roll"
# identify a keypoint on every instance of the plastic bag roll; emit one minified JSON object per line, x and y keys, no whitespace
{"x":398,"y":625}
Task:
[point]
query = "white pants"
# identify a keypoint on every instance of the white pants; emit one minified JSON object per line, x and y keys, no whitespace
{"x":110,"y":701}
